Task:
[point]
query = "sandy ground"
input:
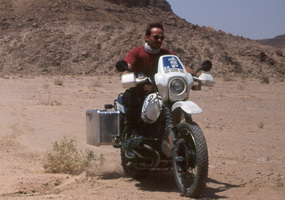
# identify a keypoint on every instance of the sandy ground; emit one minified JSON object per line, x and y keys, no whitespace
{"x":243,"y":122}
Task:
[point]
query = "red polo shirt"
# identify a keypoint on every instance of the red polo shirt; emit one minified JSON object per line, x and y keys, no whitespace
{"x":143,"y":61}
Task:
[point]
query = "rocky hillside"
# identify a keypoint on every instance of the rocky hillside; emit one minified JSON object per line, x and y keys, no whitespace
{"x":88,"y":37}
{"x":278,"y":41}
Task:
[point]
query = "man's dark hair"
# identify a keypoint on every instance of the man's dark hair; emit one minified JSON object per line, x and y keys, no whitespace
{"x":153,"y":25}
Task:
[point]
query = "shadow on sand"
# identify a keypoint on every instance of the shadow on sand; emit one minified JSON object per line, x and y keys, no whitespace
{"x":163,"y":181}
{"x":212,"y":193}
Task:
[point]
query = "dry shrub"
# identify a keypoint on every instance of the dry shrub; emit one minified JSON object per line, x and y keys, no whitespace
{"x":58,"y":82}
{"x":228,"y":79}
{"x":45,"y":86}
{"x":240,"y":87}
{"x":265,"y":79}
{"x":50,"y":102}
{"x":260,"y":125}
{"x":66,"y":157}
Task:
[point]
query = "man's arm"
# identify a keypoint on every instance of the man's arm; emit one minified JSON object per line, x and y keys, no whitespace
{"x":191,"y":71}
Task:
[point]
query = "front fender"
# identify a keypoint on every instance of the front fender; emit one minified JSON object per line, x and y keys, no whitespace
{"x":189,"y":107}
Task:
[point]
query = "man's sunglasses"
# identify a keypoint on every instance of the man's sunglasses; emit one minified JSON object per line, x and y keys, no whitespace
{"x":157,"y":37}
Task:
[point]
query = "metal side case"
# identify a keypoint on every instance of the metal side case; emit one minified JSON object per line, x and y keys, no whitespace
{"x":102,"y":126}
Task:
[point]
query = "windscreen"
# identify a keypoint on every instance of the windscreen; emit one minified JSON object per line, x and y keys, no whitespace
{"x":172,"y":64}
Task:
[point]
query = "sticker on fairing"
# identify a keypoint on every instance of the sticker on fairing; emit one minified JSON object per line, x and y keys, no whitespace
{"x":172,"y":64}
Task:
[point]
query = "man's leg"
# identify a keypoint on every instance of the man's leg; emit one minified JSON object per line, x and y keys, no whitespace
{"x":133,"y":102}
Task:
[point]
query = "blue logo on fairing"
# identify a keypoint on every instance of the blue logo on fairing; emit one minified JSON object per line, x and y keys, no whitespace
{"x":171,"y":62}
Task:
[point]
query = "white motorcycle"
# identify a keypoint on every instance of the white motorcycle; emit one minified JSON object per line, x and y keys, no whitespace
{"x":173,"y":140}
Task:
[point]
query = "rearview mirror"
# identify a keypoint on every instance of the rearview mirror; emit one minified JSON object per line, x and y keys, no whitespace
{"x":206,"y":66}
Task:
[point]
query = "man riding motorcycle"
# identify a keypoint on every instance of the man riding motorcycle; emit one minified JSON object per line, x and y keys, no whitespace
{"x":143,"y":59}
{"x":152,"y":121}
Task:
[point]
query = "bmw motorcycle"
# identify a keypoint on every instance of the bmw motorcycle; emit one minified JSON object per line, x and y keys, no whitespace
{"x":170,"y":139}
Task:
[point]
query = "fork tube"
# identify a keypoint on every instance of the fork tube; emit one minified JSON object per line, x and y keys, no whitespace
{"x":169,"y":123}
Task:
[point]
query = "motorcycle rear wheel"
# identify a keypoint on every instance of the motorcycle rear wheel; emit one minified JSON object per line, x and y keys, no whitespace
{"x":190,"y":160}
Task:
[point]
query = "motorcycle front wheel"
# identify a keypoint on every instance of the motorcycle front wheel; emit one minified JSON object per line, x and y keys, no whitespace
{"x":190,"y":159}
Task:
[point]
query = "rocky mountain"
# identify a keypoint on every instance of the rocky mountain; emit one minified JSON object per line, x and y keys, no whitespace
{"x":278,"y":41}
{"x":162,"y":4}
{"x":89,"y":36}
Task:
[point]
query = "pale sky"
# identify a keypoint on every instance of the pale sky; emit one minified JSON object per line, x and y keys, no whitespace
{"x":254,"y":19}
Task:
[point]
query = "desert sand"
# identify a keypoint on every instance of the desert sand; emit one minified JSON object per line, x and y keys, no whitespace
{"x":243,"y":121}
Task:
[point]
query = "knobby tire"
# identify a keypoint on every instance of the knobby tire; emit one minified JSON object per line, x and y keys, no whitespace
{"x":191,"y":172}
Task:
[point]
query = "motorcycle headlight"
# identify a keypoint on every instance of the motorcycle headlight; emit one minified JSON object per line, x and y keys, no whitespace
{"x":177,"y":86}
{"x":177,"y":89}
